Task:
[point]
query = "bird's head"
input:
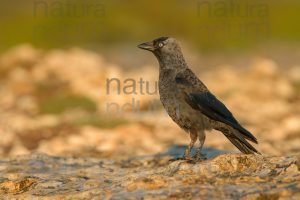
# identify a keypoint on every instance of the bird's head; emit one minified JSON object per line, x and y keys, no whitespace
{"x":166,"y":49}
{"x":160,"y":45}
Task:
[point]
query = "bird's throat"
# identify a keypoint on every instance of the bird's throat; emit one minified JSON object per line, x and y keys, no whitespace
{"x":171,"y":62}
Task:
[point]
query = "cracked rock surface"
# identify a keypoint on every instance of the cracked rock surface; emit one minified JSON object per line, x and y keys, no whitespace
{"x":227,"y":176}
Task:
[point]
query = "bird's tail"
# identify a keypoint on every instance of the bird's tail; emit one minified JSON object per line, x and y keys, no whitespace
{"x":243,"y":146}
{"x":238,"y":140}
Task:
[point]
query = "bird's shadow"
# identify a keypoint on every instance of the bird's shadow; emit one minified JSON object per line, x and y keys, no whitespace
{"x":173,"y":153}
{"x":177,"y":151}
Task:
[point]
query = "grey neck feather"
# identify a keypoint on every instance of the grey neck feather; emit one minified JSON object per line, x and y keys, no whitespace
{"x":173,"y":61}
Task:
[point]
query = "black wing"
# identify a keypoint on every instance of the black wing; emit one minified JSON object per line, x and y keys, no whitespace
{"x":210,"y":106}
{"x":198,"y":97}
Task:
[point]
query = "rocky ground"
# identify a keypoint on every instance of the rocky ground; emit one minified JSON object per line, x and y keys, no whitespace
{"x":229,"y":176}
{"x":66,"y":134}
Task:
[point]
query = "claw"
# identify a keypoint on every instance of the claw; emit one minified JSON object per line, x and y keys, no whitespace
{"x":181,"y":158}
{"x":199,"y":156}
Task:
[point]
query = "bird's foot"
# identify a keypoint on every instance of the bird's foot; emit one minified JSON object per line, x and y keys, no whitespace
{"x":186,"y":158}
{"x":199,"y":157}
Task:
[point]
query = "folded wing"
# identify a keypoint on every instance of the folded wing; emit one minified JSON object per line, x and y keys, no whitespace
{"x":207,"y":103}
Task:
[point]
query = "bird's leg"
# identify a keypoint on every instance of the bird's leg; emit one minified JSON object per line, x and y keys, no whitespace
{"x":193,"y":136}
{"x":199,"y":155}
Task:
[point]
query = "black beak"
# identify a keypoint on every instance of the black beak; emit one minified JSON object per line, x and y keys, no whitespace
{"x":147,"y":46}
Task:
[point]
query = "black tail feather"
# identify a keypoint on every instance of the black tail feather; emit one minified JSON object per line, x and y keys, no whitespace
{"x":243,"y":146}
{"x":247,"y":134}
{"x":239,"y":140}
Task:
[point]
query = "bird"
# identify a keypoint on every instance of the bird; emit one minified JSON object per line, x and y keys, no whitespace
{"x":189,"y":102}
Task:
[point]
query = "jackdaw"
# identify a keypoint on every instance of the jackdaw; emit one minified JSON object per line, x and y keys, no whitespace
{"x":188,"y":101}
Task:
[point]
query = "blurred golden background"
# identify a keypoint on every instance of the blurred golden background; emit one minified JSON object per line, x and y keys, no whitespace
{"x":74,"y":83}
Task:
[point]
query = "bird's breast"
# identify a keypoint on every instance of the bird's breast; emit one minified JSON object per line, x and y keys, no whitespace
{"x":178,"y":109}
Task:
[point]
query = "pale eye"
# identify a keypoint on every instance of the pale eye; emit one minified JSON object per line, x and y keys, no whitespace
{"x":160,"y":44}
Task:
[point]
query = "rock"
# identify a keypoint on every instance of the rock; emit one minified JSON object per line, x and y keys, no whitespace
{"x":23,"y":55}
{"x":228,"y":176}
{"x":291,"y":124}
{"x":264,"y":68}
{"x":294,"y":73}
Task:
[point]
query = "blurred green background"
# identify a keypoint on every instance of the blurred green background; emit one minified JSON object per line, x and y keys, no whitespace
{"x":220,"y":25}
